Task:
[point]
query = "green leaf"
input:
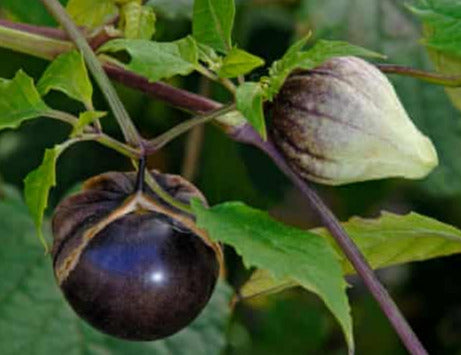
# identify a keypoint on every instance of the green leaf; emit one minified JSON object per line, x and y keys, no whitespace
{"x":35,"y":319}
{"x":212,"y":23}
{"x":261,"y":282}
{"x":249,"y":100}
{"x":208,"y":55}
{"x":442,"y":36}
{"x":68,"y":74}
{"x":84,"y":119}
{"x":238,"y":62}
{"x":157,"y":60}
{"x":37,"y":185}
{"x":399,"y":35}
{"x":449,"y":65}
{"x":443,"y":21}
{"x":138,"y":21}
{"x":177,"y":9}
{"x":285,"y":251}
{"x":394,"y":239}
{"x":27,"y":11}
{"x":19,"y":101}
{"x":386,"y":241}
{"x":92,"y":13}
{"x":295,"y":58}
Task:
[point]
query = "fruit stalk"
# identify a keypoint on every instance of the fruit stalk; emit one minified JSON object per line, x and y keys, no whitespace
{"x":246,"y":134}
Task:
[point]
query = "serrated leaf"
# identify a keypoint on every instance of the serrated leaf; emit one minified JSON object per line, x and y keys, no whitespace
{"x":442,"y":36}
{"x":157,"y":60}
{"x":212,"y":23}
{"x":19,"y":101}
{"x":249,"y":101}
{"x":238,"y":62}
{"x":84,"y":119}
{"x":68,"y":74}
{"x":37,"y":185}
{"x":92,"y":13}
{"x":393,"y":239}
{"x":138,"y":21}
{"x":295,"y":58}
{"x":443,"y":19}
{"x":386,"y":241}
{"x":285,"y":251}
{"x":34,"y":318}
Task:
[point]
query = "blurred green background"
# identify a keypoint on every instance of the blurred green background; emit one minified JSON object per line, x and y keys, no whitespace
{"x":292,"y":322}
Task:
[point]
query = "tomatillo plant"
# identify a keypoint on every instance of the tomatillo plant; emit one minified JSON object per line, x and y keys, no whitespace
{"x":138,"y":254}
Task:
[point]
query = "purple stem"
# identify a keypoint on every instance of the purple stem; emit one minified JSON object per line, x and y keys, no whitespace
{"x":246,"y":134}
{"x":51,"y":32}
{"x":176,"y":97}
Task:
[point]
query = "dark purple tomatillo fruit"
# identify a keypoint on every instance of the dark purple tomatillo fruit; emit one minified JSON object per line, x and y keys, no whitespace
{"x":129,"y":264}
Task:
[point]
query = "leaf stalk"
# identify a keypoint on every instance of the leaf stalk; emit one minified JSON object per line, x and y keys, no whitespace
{"x":129,"y":130}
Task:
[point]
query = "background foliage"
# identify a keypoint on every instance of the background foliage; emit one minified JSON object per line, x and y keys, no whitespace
{"x":293,"y":322}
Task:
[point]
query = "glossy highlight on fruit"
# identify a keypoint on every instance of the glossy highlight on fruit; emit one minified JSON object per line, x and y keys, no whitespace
{"x":130,"y":265}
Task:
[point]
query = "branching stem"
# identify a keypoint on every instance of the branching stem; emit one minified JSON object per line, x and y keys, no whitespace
{"x":160,"y":141}
{"x":195,"y":103}
{"x":246,"y":134}
{"x":129,"y":130}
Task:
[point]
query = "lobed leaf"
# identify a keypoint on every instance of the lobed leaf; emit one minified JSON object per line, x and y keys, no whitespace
{"x":157,"y":60}
{"x":238,"y":62}
{"x":34,"y":317}
{"x":19,"y":101}
{"x":249,"y":100}
{"x":212,"y":23}
{"x":285,"y":251}
{"x":68,"y":74}
{"x":92,"y":13}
